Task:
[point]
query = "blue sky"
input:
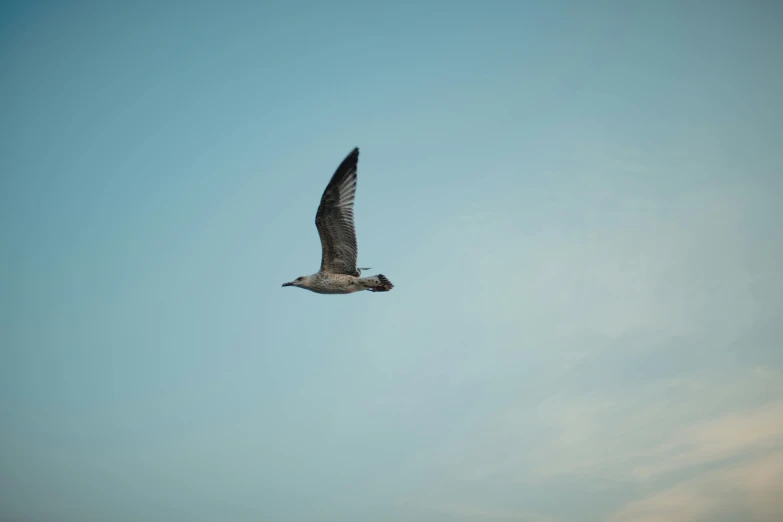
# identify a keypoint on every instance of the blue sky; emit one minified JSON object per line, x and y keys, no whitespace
{"x":579,"y":206}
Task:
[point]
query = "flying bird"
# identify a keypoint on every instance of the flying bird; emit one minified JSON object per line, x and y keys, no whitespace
{"x":334,"y":221}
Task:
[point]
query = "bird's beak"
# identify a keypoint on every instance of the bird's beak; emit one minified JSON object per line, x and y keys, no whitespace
{"x":288,"y":284}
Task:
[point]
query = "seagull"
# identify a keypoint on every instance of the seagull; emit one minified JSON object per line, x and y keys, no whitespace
{"x":334,"y":221}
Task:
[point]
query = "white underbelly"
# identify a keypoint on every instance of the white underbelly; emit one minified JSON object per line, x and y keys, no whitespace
{"x":338,"y":289}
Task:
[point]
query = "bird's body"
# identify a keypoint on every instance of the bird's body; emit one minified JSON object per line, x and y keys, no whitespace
{"x":334,"y":220}
{"x":326,"y":283}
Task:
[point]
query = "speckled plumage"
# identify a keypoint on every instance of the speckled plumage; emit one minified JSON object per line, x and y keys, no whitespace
{"x":334,"y":219}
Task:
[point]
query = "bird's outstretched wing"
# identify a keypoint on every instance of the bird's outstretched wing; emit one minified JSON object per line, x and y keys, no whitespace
{"x":334,"y":220}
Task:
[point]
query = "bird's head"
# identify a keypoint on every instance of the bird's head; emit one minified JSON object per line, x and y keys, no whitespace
{"x":299,"y":281}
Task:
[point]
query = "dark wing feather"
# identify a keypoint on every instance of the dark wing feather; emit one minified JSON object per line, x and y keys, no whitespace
{"x":334,"y":220}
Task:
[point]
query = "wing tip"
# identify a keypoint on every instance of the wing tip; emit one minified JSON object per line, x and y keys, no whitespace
{"x":350,"y":162}
{"x":351,"y":159}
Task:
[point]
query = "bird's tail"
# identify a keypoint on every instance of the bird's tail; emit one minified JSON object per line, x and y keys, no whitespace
{"x":376,"y":283}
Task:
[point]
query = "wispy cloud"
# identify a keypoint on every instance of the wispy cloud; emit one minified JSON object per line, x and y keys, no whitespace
{"x":752,"y":490}
{"x":717,"y":439}
{"x":674,"y":505}
{"x":687,"y":449}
